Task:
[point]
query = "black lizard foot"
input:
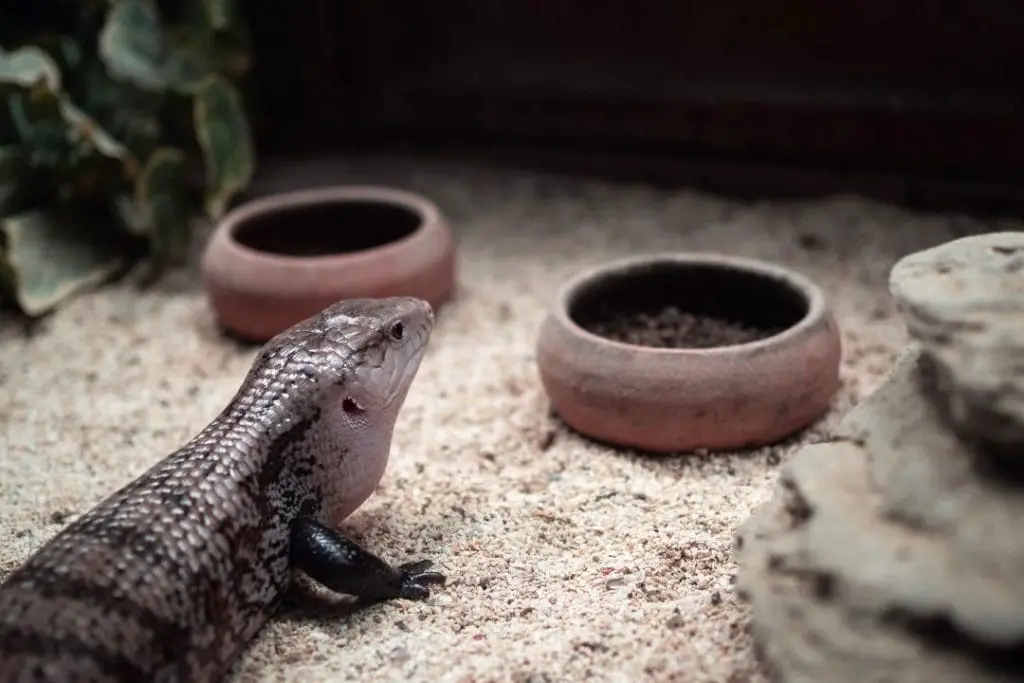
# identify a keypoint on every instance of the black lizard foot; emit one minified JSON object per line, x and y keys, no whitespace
{"x":340,"y":564}
{"x":415,"y":578}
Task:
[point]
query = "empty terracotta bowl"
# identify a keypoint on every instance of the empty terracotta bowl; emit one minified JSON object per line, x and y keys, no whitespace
{"x":673,"y":353}
{"x":279,"y":259}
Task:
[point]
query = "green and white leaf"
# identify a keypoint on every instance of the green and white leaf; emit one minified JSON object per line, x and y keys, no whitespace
{"x":27,"y":67}
{"x":160,"y":206}
{"x":131,"y":44}
{"x":222,"y":131}
{"x":47,"y":258}
{"x":84,"y":128}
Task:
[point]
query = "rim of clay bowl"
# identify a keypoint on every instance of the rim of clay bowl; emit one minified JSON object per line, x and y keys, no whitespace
{"x":278,"y":206}
{"x":676,"y":399}
{"x":307,"y":248}
{"x":812,"y":299}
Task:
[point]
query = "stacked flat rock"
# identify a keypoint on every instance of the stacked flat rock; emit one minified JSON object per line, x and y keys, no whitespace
{"x":895,"y":550}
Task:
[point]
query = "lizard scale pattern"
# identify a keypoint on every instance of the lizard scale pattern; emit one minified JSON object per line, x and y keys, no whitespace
{"x":168,"y":578}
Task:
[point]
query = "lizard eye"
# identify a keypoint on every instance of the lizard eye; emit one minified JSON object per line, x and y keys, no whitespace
{"x":397,"y":331}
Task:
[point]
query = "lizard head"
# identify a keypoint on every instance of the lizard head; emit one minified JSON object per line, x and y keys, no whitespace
{"x":361,"y":354}
{"x":341,"y":377}
{"x":384,"y":341}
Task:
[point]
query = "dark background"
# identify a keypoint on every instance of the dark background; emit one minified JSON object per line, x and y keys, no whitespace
{"x":917,"y":101}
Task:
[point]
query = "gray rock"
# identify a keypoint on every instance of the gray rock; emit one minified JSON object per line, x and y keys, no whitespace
{"x":878,"y":536}
{"x":946,"y":542}
{"x":964,"y":302}
{"x":812,"y":625}
{"x":893,"y":551}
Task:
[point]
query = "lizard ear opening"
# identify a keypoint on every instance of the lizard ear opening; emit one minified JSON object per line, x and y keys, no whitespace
{"x":350,"y":406}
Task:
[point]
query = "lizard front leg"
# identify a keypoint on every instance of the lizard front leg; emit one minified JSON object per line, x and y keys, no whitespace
{"x":342,"y":565}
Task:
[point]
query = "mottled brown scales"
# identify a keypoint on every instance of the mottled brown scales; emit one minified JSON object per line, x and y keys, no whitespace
{"x":168,"y":578}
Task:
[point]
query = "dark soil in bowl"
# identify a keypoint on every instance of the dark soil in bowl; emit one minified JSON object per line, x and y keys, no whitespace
{"x":687,"y":305}
{"x":330,"y":228}
{"x":671,"y":328}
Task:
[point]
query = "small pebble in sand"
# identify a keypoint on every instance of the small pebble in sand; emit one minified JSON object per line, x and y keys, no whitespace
{"x":60,"y":516}
{"x":673,"y":328}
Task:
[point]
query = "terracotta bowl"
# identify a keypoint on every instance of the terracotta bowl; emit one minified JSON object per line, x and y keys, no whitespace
{"x":672,"y":353}
{"x":279,"y":259}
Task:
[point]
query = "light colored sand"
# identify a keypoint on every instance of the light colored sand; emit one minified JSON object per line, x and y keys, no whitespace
{"x":570,"y":563}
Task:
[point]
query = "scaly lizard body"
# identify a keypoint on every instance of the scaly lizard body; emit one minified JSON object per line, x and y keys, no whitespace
{"x":168,"y":578}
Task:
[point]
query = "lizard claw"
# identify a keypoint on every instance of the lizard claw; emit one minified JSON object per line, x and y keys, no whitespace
{"x":415,"y":578}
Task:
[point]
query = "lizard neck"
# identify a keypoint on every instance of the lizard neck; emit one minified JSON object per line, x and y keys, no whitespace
{"x":266,"y":444}
{"x":310,"y":452}
{"x":350,"y":457}
{"x":322,"y":462}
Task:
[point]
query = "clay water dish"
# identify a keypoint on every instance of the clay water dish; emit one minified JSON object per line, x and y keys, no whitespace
{"x":279,"y":259}
{"x":678,"y":352}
